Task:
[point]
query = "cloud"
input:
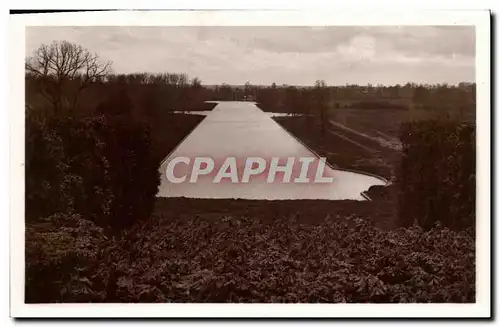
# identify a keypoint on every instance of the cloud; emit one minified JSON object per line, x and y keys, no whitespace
{"x":285,"y":55}
{"x":431,"y":41}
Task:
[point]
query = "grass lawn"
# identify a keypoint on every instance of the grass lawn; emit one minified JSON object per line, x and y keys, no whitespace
{"x":344,"y":149}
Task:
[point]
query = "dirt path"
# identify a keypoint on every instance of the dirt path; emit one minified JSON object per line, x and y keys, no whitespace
{"x":386,"y":142}
{"x":352,"y":141}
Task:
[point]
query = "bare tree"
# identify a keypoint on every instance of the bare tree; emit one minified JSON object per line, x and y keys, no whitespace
{"x":63,"y":70}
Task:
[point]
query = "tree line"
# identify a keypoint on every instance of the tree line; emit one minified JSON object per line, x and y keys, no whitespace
{"x":61,"y":72}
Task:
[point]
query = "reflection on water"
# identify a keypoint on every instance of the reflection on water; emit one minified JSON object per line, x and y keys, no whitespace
{"x":242,"y":130}
{"x":281,"y":114}
{"x":192,"y":112}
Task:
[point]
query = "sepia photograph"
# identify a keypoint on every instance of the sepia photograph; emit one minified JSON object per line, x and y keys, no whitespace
{"x":236,"y":157}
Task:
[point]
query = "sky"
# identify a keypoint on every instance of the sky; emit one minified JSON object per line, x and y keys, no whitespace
{"x":284,"y":55}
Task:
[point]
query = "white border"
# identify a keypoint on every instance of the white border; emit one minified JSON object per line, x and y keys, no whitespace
{"x":253,"y":5}
{"x":480,"y":19}
{"x":345,"y":17}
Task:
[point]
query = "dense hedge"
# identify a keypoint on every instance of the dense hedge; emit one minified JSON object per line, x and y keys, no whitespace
{"x":238,"y":259}
{"x":100,"y":166}
{"x":65,"y":261}
{"x":437,"y":175}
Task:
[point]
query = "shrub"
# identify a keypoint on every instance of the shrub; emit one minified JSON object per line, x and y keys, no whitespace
{"x":344,"y":259}
{"x":63,"y":260}
{"x":437,"y":175}
{"x":134,"y":175}
{"x":45,"y":168}
{"x":245,"y":259}
{"x":101,"y":167}
{"x":118,"y":103}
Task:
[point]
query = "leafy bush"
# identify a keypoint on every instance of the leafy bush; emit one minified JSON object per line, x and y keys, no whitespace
{"x":101,"y":167}
{"x":45,"y":167}
{"x":237,"y":259}
{"x":134,"y":175}
{"x":64,"y":260}
{"x":117,"y":104}
{"x":437,"y":175}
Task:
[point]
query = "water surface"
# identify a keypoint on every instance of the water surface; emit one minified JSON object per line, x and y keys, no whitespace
{"x":241,"y":129}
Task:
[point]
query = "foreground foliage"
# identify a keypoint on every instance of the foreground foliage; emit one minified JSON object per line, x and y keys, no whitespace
{"x":248,"y":260}
{"x":101,"y":167}
{"x":437,"y":176}
{"x":63,"y":255}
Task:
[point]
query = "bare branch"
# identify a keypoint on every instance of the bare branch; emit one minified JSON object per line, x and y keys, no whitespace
{"x":62,"y":64}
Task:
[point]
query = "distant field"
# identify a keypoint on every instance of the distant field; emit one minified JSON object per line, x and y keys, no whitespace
{"x":343,"y":149}
{"x":371,"y":122}
{"x":383,"y":123}
{"x":361,"y":139}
